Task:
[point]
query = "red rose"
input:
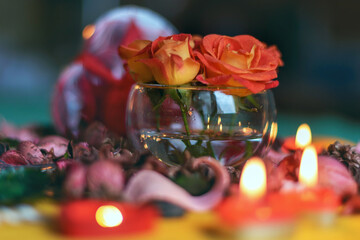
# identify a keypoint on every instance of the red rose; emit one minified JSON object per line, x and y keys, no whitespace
{"x":240,"y":61}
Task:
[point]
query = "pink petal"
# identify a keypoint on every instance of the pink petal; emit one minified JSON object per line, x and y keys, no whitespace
{"x":334,"y":175}
{"x":31,"y":152}
{"x":56,"y":143}
{"x":149,"y":185}
{"x":357,"y":148}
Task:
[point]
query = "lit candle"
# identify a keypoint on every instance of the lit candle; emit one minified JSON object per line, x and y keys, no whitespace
{"x":100,"y":218}
{"x":302,"y":139}
{"x":308,"y":172}
{"x":321,"y":203}
{"x":251,"y":212}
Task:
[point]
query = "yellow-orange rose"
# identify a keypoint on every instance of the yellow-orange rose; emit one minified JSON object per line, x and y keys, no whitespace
{"x":172,"y":61}
{"x":139,"y":49}
{"x":169,"y":60}
{"x":240,"y":61}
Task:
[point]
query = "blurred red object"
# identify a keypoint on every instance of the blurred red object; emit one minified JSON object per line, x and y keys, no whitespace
{"x":85,"y":218}
{"x":95,"y":86}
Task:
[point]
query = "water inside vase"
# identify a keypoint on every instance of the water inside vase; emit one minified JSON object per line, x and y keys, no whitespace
{"x":229,"y":150}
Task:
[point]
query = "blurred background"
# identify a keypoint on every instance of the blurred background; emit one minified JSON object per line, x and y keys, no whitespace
{"x":319,"y":40}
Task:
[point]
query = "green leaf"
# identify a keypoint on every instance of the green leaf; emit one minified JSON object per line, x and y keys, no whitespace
{"x":248,"y":149}
{"x":198,"y":150}
{"x":13,"y":143}
{"x":156,"y":96}
{"x":253,"y":101}
{"x":22,"y":184}
{"x":194,"y":183}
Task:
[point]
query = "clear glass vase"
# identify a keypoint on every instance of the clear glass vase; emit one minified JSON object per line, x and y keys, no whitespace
{"x":227,"y":123}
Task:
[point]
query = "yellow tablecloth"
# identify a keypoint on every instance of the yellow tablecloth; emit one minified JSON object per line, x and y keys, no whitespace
{"x":197,"y":226}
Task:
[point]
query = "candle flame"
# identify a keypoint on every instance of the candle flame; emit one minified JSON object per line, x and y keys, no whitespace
{"x":108,"y":216}
{"x":253,"y":179}
{"x":308,"y":174}
{"x":88,"y":31}
{"x":303,"y":136}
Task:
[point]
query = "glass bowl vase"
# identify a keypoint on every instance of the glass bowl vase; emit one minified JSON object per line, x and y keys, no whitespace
{"x":227,"y":123}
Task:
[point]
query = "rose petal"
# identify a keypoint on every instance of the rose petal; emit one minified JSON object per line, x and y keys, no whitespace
{"x":260,"y":76}
{"x":208,"y":45}
{"x":247,"y":42}
{"x":254,"y":87}
{"x":149,"y":185}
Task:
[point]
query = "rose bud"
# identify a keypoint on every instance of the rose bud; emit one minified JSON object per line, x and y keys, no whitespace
{"x":357,"y":148}
{"x":14,"y":157}
{"x":124,"y":156}
{"x":56,"y":144}
{"x":139,"y":49}
{"x":63,"y":163}
{"x":31,"y":152}
{"x":105,"y":179}
{"x":106,"y":151}
{"x":75,"y":181}
{"x":83,"y":152}
{"x":95,"y":134}
{"x":334,"y":175}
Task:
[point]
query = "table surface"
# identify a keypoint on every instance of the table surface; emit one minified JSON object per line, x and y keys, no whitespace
{"x":191,"y":226}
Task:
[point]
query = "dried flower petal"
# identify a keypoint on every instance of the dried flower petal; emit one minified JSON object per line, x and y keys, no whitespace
{"x":75,"y":181}
{"x":56,"y":144}
{"x":31,"y":152}
{"x":14,"y":157}
{"x":334,"y":175}
{"x":105,"y":179}
{"x":149,"y":185}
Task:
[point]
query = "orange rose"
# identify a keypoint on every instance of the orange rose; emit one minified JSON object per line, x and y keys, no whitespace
{"x":168,"y":61}
{"x":139,"y":49}
{"x":173,"y":62}
{"x":240,"y":61}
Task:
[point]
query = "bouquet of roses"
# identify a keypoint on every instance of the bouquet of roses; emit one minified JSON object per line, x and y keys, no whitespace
{"x":240,"y":61}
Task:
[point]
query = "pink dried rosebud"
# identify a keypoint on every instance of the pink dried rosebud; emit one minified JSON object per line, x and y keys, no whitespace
{"x":14,"y":157}
{"x":31,"y":152}
{"x":334,"y":175}
{"x":95,"y":134}
{"x":105,"y":178}
{"x":357,"y":148}
{"x":56,"y":144}
{"x":63,"y":163}
{"x":83,"y":152}
{"x":20,"y":134}
{"x":75,"y":181}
